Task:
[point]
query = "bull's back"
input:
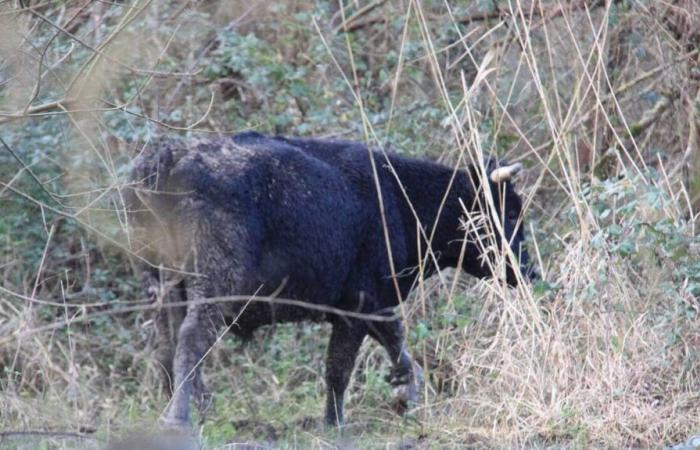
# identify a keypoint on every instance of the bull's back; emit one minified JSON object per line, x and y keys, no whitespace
{"x":286,"y":219}
{"x":313,"y":222}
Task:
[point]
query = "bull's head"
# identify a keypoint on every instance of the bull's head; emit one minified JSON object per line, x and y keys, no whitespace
{"x":509,"y":210}
{"x":492,"y":231}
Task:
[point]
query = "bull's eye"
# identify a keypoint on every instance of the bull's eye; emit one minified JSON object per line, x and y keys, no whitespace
{"x":512,"y":215}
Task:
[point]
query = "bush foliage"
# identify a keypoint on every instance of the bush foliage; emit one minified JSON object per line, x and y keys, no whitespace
{"x":599,"y":99}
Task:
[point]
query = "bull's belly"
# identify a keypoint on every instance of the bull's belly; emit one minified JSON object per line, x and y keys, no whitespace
{"x":284,"y":290}
{"x":257,"y":314}
{"x":274,"y":299}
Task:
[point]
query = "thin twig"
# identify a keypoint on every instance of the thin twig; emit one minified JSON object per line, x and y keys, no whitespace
{"x":29,"y":171}
{"x":347,"y":23}
{"x":59,"y":434}
{"x":373,"y":317}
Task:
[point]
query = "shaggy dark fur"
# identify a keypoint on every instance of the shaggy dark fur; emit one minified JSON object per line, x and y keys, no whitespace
{"x":252,"y":214}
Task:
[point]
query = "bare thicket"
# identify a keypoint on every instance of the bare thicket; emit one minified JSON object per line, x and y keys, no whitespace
{"x":600,"y":99}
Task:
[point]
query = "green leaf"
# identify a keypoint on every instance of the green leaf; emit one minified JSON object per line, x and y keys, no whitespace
{"x":422,"y":331}
{"x":615,"y":230}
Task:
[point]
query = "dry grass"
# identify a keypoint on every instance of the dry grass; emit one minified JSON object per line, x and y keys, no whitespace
{"x":598,"y":99}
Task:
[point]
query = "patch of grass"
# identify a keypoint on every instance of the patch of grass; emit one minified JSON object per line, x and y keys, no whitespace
{"x":600,"y":353}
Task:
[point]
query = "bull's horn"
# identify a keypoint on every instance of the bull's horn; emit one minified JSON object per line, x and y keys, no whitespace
{"x":505,"y":173}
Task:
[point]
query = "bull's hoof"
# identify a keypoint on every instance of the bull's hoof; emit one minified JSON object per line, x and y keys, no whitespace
{"x":407,"y":390}
{"x":333,"y":422}
{"x":203,"y":402}
{"x":176,"y":426}
{"x":202,"y":397}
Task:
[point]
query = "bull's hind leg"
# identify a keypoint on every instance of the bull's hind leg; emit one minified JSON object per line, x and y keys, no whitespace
{"x":196,"y":336}
{"x":346,"y":338}
{"x":167,"y":323}
{"x":405,"y":375}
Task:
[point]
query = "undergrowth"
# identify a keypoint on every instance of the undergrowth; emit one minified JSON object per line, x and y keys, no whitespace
{"x":599,"y":100}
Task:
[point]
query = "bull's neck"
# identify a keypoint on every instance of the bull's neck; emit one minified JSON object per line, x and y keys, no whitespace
{"x":429,"y":185}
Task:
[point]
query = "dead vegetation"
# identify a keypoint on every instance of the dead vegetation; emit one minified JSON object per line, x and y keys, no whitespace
{"x":599,"y":99}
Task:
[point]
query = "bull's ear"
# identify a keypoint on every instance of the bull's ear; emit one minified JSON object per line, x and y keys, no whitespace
{"x":505,"y":173}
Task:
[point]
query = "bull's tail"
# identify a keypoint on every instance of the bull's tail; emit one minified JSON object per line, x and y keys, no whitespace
{"x":151,"y":202}
{"x":152,"y":168}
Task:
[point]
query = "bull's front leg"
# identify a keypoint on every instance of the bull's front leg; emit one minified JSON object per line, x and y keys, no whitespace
{"x":406,"y":376}
{"x":345,"y":342}
{"x":167,"y":322}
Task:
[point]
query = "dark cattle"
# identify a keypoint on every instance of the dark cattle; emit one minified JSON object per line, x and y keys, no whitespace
{"x":301,"y":218}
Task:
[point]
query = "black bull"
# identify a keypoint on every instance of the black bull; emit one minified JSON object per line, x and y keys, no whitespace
{"x":302,"y":219}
